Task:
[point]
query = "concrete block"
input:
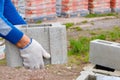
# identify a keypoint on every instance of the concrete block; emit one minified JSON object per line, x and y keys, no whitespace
{"x":12,"y":55}
{"x":89,"y":75}
{"x":86,"y":75}
{"x":58,"y":45}
{"x":91,"y":67}
{"x":52,"y":38}
{"x":102,"y":77}
{"x":105,"y":53}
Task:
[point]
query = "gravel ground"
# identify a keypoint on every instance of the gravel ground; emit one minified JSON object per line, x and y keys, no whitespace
{"x":104,"y":23}
{"x":53,"y":72}
{"x":93,"y":24}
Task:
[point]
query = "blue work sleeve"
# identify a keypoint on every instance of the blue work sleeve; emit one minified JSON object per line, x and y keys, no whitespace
{"x":11,"y":14}
{"x":9,"y":32}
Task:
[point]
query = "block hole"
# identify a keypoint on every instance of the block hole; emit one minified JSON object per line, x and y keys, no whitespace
{"x":104,"y":68}
{"x":105,"y":42}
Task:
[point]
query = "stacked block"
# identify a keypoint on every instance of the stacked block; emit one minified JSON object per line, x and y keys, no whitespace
{"x":34,"y":10}
{"x":72,"y":8}
{"x":117,"y":8}
{"x":58,"y":7}
{"x":99,"y":6}
{"x":20,"y":6}
{"x":105,"y":53}
{"x":52,"y":38}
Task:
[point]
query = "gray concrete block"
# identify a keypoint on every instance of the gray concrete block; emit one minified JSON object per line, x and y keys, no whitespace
{"x":52,"y":38}
{"x":87,"y":75}
{"x":12,"y":55}
{"x":58,"y":45}
{"x":105,"y":53}
{"x":102,"y":77}
{"x":83,"y":77}
{"x":92,"y":68}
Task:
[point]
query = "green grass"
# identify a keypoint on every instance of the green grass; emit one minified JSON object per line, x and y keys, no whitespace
{"x":78,"y":28}
{"x":84,"y":22}
{"x":92,"y":33}
{"x":68,"y":25}
{"x":39,"y":22}
{"x":3,"y":62}
{"x":80,"y":47}
{"x":100,"y":15}
{"x":92,"y":23}
{"x":100,"y":36}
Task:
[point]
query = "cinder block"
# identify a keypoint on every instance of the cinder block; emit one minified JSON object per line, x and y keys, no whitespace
{"x":12,"y":55}
{"x":58,"y":45}
{"x":92,"y":68}
{"x":105,"y":53}
{"x":87,"y":75}
{"x":52,"y":38}
{"x":103,"y":77}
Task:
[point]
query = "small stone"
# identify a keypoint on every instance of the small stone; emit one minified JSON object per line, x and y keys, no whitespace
{"x":69,"y":67}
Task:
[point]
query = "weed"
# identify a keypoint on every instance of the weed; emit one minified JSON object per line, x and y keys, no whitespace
{"x":79,"y":46}
{"x":78,"y":28}
{"x":100,"y":15}
{"x":68,"y":25}
{"x":84,"y":22}
{"x":3,"y":62}
{"x":93,"y":33}
{"x":39,"y":22}
{"x":92,"y":23}
{"x":117,"y":28}
{"x":100,"y":36}
{"x":18,"y":67}
{"x":85,"y":57}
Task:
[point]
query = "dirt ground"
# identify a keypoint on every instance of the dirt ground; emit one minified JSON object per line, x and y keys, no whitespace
{"x":55,"y":72}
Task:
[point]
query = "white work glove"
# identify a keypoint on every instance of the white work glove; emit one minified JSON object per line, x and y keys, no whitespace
{"x":33,"y":55}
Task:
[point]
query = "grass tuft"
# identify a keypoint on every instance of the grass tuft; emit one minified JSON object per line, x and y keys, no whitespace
{"x":100,"y":15}
{"x":68,"y":25}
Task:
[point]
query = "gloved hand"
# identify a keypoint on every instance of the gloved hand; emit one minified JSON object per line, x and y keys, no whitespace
{"x":33,"y":55}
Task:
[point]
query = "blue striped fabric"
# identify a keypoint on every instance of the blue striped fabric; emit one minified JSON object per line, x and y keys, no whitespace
{"x":8,"y":20}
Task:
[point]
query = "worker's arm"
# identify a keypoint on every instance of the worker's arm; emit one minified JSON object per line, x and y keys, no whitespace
{"x":31,"y":51}
{"x":11,"y":13}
